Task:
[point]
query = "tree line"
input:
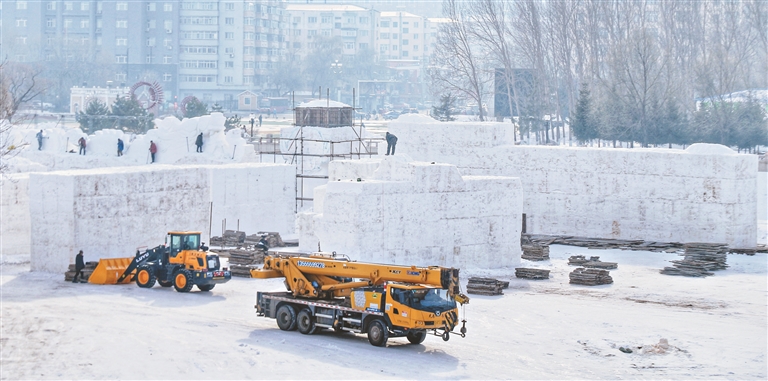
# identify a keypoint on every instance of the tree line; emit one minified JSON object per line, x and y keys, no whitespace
{"x":653,"y":72}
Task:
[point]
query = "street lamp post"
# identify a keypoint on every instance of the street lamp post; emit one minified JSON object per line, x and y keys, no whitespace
{"x":337,"y":69}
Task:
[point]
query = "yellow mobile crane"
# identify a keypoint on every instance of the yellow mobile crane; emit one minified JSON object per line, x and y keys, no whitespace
{"x":330,"y":291}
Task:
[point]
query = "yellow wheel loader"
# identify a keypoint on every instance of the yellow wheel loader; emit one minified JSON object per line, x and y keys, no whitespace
{"x":180,"y":263}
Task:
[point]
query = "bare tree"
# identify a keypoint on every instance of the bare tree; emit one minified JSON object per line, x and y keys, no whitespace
{"x":458,"y":68}
{"x":19,"y":84}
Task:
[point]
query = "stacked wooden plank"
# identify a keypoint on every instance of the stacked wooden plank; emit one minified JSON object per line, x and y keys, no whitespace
{"x":84,"y":274}
{"x":699,"y":260}
{"x":590,"y":277}
{"x":526,"y":273}
{"x":242,"y":261}
{"x":592,"y":262}
{"x":486,"y":286}
{"x":230,"y":238}
{"x":601,"y":243}
{"x":535,"y":252}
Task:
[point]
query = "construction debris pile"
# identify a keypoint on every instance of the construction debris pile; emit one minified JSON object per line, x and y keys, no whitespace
{"x":486,"y":286}
{"x":699,"y":259}
{"x":85,"y":273}
{"x":592,"y":262}
{"x":535,"y":252}
{"x":522,"y":272}
{"x":590,"y":277}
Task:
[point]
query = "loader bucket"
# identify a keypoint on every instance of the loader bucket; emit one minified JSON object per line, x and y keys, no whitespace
{"x":109,"y":270}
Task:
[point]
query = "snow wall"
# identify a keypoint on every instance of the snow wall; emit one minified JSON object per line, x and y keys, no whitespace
{"x":415,"y":213}
{"x":110,"y":212}
{"x":14,"y":214}
{"x":706,"y":193}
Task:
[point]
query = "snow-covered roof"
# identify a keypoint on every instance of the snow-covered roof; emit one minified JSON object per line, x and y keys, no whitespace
{"x":323,"y":103}
{"x":324,"y":7}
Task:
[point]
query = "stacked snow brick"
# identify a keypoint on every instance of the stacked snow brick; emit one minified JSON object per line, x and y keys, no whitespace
{"x":14,"y":207}
{"x":393,"y":210}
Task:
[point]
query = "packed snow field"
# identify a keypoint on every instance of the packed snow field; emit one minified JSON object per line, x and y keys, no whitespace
{"x":716,"y":328}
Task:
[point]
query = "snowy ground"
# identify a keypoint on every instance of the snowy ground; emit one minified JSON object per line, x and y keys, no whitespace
{"x":716,"y":328}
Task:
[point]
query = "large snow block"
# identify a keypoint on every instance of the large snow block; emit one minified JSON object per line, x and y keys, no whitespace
{"x":415,"y":213}
{"x":14,"y":214}
{"x":111,"y":212}
{"x":706,"y":193}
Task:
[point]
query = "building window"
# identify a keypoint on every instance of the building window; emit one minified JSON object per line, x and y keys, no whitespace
{"x":229,"y":50}
{"x":21,"y":5}
{"x":51,"y":6}
{"x":167,"y":60}
{"x":297,"y":20}
{"x":168,"y":25}
{"x":85,"y":24}
{"x":415,"y":25}
{"x":21,"y":40}
{"x":229,"y":6}
{"x":168,"y":7}
{"x":229,"y":21}
{"x":121,"y":6}
{"x":385,"y":24}
{"x":405,"y":53}
{"x":120,"y":77}
{"x":85,"y":6}
{"x":149,"y":59}
{"x":121,"y":58}
{"x":21,"y":22}
{"x":405,"y":42}
{"x":363,"y":45}
{"x":394,"y":36}
{"x":151,"y":7}
{"x":121,"y":42}
{"x":229,"y":64}
{"x":394,"y":47}
{"x":363,"y":33}
{"x":151,"y":41}
{"x":325,"y":20}
{"x":227,"y":79}
{"x":415,"y":36}
{"x":150,"y":24}
{"x":67,"y":23}
{"x":394,"y":24}
{"x":229,"y":35}
{"x":312,"y":20}
{"x":121,"y":24}
{"x":167,"y":77}
{"x":415,"y":48}
{"x":405,"y":30}
{"x":384,"y":36}
{"x":68,"y":6}
{"x":311,"y":33}
{"x":326,"y":32}
{"x":51,"y":23}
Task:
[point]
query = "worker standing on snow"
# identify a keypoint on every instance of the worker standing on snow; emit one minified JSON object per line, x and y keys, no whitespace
{"x":199,"y":142}
{"x":39,"y":140}
{"x":120,"y":146}
{"x":391,"y":142}
{"x":152,"y":149}
{"x":79,"y":266}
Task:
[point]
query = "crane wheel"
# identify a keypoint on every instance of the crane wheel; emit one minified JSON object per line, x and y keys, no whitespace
{"x":164,"y":283}
{"x":286,"y":317}
{"x":145,"y":277}
{"x":305,"y":322}
{"x":205,"y":287}
{"x":417,"y":336}
{"x":182,"y":281}
{"x":378,"y":333}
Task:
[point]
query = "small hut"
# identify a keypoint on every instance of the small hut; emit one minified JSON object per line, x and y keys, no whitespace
{"x":324,"y":113}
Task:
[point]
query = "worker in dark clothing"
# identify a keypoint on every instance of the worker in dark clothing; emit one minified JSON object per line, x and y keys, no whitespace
{"x":259,"y":120}
{"x":82,"y":144}
{"x":152,"y":149}
{"x":391,"y":142}
{"x":79,"y":266}
{"x":120,"y":146}
{"x":39,"y":140}
{"x":199,"y":142}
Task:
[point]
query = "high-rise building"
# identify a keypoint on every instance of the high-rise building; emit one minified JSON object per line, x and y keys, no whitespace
{"x":355,"y":26}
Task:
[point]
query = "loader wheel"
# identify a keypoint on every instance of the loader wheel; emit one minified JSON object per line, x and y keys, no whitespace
{"x":145,"y":277}
{"x":286,"y":317}
{"x":378,"y":333}
{"x":182,"y":281}
{"x":417,"y":336}
{"x":205,"y":287}
{"x":305,"y":322}
{"x":165,"y":283}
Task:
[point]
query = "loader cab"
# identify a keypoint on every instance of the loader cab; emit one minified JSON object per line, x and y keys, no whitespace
{"x":179,"y":241}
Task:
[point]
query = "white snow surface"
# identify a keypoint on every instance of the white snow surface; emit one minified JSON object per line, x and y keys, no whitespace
{"x":715,"y":328}
{"x":323,"y":103}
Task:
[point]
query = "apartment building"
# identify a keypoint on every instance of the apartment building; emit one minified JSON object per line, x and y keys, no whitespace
{"x":355,"y":26}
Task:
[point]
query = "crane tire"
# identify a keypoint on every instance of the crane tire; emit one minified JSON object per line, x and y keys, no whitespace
{"x":417,"y":336}
{"x":164,"y":283}
{"x":286,"y":317}
{"x":205,"y":287}
{"x":182,"y":281}
{"x":145,"y":277}
{"x":305,"y":322}
{"x":378,"y":334}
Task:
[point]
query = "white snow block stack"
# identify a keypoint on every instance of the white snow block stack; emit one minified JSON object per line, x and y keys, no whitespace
{"x":706,"y":193}
{"x":14,"y":214}
{"x":416,"y":213}
{"x":110,"y":212}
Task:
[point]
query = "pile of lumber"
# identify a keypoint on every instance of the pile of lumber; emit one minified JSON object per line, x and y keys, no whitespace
{"x":522,"y":272}
{"x":486,"y":286}
{"x":535,"y":252}
{"x":699,"y":260}
{"x":84,"y":274}
{"x":602,"y":243}
{"x":273,"y":239}
{"x":230,"y":238}
{"x":242,"y":261}
{"x":590,"y":277}
{"x":592,"y":262}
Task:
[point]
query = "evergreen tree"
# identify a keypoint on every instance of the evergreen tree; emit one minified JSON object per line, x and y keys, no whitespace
{"x":584,"y":124}
{"x":195,"y":108}
{"x":95,"y":117}
{"x":444,"y":112}
{"x":130,"y":115}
